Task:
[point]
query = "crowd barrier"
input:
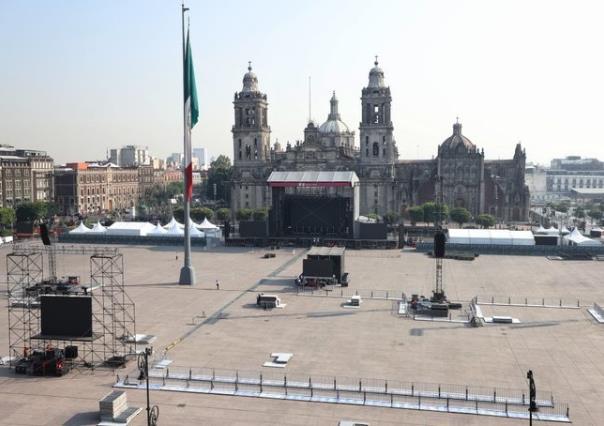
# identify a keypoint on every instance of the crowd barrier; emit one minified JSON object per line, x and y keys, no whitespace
{"x":130,"y":240}
{"x":426,"y":247}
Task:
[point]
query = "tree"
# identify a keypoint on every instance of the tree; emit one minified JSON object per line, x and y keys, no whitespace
{"x":460,"y":215}
{"x":244,"y":214}
{"x":260,"y":215}
{"x":391,"y":218}
{"x":595,"y":214}
{"x":219,"y":174}
{"x":27,"y":212}
{"x":223,"y":214}
{"x":7,"y":217}
{"x":175,"y":188}
{"x":373,"y":216}
{"x":416,"y":214}
{"x":485,"y":220}
{"x":200,"y":213}
{"x":579,"y":213}
{"x":179,"y":214}
{"x":432,"y":212}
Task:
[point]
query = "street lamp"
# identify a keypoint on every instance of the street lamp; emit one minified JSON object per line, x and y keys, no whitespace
{"x":143,"y":368}
{"x":532,"y":396}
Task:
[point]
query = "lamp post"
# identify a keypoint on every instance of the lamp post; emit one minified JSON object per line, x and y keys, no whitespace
{"x":143,"y":367}
{"x":532,"y":396}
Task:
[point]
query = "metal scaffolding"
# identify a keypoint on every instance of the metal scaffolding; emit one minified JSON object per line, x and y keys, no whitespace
{"x":113,"y":312}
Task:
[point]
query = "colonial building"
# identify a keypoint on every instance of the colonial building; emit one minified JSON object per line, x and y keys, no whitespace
{"x":26,"y":176}
{"x":459,"y":172}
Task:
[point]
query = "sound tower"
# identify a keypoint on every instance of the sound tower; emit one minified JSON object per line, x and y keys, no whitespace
{"x":439,"y":244}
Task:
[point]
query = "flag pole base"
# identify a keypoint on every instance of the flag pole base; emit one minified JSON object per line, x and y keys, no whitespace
{"x":187,"y":276}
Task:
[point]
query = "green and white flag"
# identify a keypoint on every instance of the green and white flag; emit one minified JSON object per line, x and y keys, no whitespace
{"x":191,"y":116}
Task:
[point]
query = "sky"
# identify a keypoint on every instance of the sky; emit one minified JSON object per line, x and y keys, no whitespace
{"x":80,"y":77}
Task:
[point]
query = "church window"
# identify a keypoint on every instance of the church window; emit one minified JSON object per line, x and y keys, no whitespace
{"x":367,"y":152}
{"x":239,"y":143}
{"x":376,"y":114}
{"x":366,"y":140}
{"x":255,"y":142}
{"x":383,"y":140}
{"x":376,"y":149}
{"x":384,"y":152}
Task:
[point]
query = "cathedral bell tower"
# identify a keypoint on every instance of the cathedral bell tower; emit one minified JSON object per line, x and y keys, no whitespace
{"x":376,"y":144}
{"x":251,"y":133}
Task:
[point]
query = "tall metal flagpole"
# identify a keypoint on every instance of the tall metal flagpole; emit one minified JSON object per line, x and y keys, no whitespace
{"x":187,"y":273}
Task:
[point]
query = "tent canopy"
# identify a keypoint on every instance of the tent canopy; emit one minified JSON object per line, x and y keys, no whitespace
{"x":130,"y":228}
{"x":172,"y":223}
{"x":575,"y":238}
{"x":491,"y":237}
{"x":81,"y":229}
{"x":158,"y":230}
{"x":206,"y":224}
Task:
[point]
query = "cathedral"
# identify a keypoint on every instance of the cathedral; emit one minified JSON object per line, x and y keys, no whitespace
{"x":459,"y":173}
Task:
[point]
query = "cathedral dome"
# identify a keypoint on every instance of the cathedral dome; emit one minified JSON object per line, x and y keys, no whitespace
{"x":250,"y":81}
{"x":334,"y":124}
{"x":376,"y":76}
{"x":457,"y":141}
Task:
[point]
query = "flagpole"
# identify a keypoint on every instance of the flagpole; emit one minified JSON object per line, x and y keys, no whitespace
{"x":187,"y":273}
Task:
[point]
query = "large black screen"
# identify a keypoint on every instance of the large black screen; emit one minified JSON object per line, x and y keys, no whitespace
{"x":306,"y":215}
{"x":317,"y":268}
{"x":66,"y":316}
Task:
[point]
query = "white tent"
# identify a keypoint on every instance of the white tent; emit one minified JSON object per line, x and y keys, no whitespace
{"x":565,"y":231}
{"x":195,"y":233}
{"x":174,"y":230}
{"x":130,"y":228}
{"x":81,"y":229}
{"x":173,"y":222}
{"x":575,"y":238}
{"x":541,"y":230}
{"x":98,"y":228}
{"x":551,"y":230}
{"x":158,"y":230}
{"x":491,"y":237}
{"x":206,"y":224}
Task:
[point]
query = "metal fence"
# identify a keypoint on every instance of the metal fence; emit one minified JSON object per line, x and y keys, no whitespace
{"x":467,"y":399}
{"x":531,"y":302}
{"x":517,"y":250}
{"x":347,"y":293}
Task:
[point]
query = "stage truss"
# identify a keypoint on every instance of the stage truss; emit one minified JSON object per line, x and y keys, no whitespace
{"x":113,"y":312}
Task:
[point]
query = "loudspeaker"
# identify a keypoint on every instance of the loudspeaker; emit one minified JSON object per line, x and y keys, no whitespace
{"x":439,"y":244}
{"x":71,"y":352}
{"x":44,"y":234}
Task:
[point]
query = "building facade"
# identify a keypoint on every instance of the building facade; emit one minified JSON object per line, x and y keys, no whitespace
{"x":130,"y":156}
{"x":387,"y":184}
{"x":25,"y":176}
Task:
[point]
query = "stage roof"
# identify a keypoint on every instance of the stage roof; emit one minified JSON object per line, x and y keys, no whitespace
{"x":313,"y":179}
{"x":326,"y":251}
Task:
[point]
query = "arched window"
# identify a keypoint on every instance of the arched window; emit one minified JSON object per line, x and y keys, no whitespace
{"x":376,"y":149}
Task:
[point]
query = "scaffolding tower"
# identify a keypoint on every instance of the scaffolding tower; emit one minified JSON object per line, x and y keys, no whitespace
{"x":113,"y":312}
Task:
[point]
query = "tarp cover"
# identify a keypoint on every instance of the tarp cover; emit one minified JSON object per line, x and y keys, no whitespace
{"x":491,"y":237}
{"x":312,"y":179}
{"x":81,"y":229}
{"x":98,"y":228}
{"x":575,"y":238}
{"x":130,"y":228}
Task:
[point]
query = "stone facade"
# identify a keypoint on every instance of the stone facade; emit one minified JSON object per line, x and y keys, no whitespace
{"x":25,"y":175}
{"x":387,"y":184}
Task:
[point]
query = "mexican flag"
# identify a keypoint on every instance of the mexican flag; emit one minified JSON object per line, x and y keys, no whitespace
{"x":191,"y":116}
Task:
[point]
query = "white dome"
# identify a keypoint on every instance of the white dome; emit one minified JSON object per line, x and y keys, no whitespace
{"x":334,"y":124}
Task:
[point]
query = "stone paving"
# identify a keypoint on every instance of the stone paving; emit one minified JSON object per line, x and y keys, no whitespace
{"x":223,"y":329}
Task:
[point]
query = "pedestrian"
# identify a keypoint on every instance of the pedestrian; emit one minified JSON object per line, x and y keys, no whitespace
{"x":217,"y":285}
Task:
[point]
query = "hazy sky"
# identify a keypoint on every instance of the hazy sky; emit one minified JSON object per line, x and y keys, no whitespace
{"x":79,"y":77}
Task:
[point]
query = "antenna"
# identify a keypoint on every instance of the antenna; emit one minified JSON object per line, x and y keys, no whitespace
{"x":309,"y":99}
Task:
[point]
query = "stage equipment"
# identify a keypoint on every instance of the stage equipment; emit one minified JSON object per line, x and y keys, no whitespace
{"x":55,"y":313}
{"x":143,"y":367}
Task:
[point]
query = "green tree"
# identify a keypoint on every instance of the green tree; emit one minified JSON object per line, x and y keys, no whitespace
{"x":432,"y":212}
{"x":27,"y":212}
{"x":7,"y":218}
{"x":373,"y":216}
{"x":219,"y":174}
{"x":391,"y":218}
{"x":223,"y":214}
{"x":460,"y":215}
{"x":416,"y":214}
{"x":175,"y":188}
{"x":244,"y":214}
{"x":595,"y":214}
{"x":198,"y":214}
{"x":260,"y":215}
{"x":179,"y":214}
{"x":485,"y":220}
{"x":579,"y":213}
